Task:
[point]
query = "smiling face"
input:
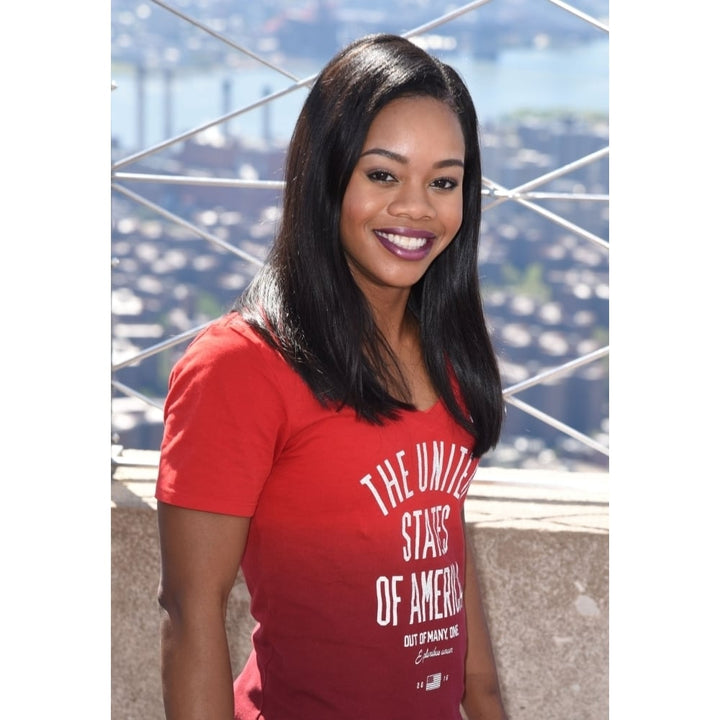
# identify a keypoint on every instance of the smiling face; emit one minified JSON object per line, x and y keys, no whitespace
{"x":404,"y":202}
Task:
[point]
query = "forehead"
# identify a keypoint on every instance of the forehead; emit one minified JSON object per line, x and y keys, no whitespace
{"x":419,"y":123}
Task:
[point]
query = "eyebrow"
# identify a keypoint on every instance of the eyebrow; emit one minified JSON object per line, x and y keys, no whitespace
{"x":450,"y":162}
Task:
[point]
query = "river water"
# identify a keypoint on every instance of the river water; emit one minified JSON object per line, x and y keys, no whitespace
{"x":570,"y":79}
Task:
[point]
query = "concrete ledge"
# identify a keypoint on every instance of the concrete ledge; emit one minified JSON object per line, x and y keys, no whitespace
{"x":541,"y":541}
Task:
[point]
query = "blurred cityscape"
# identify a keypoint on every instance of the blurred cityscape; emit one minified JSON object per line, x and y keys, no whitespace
{"x":144,"y":32}
{"x":545,"y":288}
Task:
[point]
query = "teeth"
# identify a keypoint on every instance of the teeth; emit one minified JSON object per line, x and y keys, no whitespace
{"x":407,"y":243}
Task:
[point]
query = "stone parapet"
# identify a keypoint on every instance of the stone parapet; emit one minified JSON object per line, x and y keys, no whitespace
{"x":541,"y":542}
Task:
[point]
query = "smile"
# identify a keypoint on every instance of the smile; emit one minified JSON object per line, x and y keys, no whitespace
{"x":415,"y":242}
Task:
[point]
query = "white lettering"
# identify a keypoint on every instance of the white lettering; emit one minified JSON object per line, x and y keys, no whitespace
{"x":463,"y":453}
{"x":390,"y":484}
{"x":404,"y":474}
{"x":449,"y":465}
{"x":422,"y":464}
{"x":435,"y":594}
{"x":438,"y":453}
{"x":388,"y":599}
{"x":367,"y":482}
{"x":447,"y":471}
{"x":429,"y":525}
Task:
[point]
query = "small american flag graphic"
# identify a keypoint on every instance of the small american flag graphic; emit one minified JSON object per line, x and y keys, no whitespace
{"x":433,"y":681}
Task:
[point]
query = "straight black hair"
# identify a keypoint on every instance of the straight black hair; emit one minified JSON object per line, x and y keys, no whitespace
{"x":304,"y":301}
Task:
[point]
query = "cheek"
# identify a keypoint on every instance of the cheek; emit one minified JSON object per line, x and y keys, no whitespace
{"x":453,"y":218}
{"x":346,"y":221}
{"x":354,"y":212}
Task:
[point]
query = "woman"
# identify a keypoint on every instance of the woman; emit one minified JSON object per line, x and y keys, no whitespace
{"x":322,"y":435}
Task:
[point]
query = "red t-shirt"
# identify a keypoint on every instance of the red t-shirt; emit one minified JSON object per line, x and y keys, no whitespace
{"x":355,"y":555}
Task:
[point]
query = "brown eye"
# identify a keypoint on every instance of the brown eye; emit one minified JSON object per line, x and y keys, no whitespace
{"x":381,"y":176}
{"x":444,"y":183}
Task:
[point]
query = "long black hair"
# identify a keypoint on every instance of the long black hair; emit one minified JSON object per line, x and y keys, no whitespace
{"x":305,"y":302}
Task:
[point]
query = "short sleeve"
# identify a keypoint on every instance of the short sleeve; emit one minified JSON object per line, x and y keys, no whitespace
{"x":225,"y":422}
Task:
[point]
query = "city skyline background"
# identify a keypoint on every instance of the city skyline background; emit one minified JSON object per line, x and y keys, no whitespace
{"x":546,"y":290}
{"x":514,"y":55}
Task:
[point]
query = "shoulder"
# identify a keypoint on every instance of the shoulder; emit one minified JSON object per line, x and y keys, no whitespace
{"x":229,"y":343}
{"x":229,"y":362}
{"x":229,"y":334}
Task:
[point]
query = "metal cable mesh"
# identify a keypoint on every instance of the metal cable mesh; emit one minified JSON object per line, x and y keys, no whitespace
{"x":526,"y":197}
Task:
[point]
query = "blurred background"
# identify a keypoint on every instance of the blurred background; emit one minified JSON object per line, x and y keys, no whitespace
{"x":198,"y":157}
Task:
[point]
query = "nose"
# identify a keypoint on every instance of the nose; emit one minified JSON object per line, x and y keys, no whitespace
{"x":412,"y":201}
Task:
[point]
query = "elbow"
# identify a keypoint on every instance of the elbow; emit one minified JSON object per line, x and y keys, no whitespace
{"x":167,"y":603}
{"x":180,"y":605}
{"x":162,"y":597}
{"x":170,"y":603}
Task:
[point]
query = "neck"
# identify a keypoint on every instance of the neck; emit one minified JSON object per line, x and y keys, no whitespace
{"x":392,"y":317}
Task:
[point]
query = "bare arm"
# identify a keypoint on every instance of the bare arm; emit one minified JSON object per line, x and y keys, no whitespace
{"x":200,"y":554}
{"x":482,"y":700}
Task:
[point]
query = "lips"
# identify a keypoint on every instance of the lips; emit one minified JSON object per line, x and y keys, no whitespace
{"x":406,"y":243}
